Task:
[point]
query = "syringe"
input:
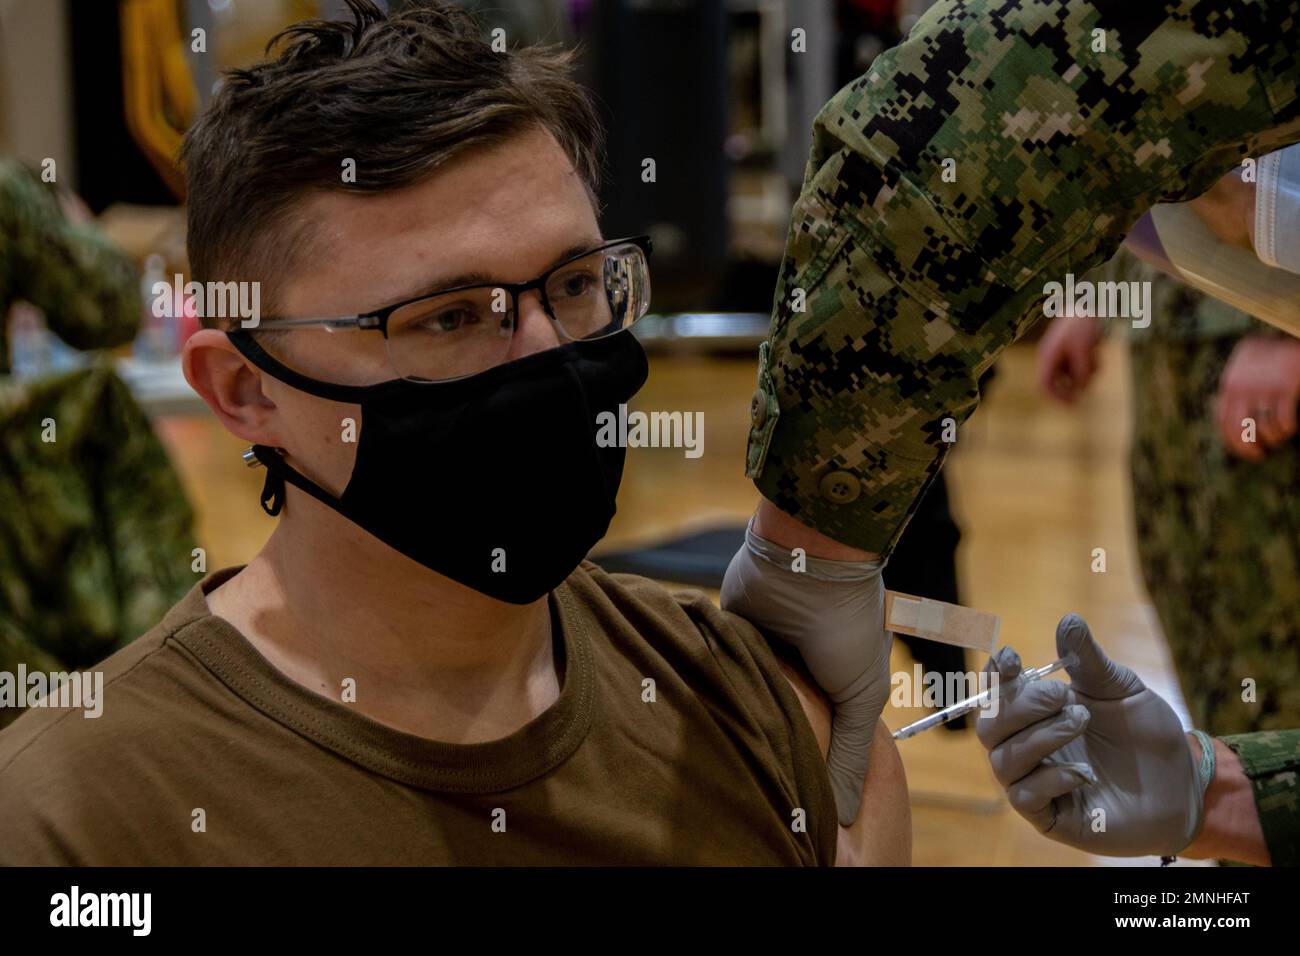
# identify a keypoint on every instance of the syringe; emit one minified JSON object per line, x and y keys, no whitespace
{"x":979,"y":700}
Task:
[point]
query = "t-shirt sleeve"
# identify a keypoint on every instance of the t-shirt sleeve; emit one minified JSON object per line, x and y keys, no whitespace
{"x":759,"y":699}
{"x":30,"y":795}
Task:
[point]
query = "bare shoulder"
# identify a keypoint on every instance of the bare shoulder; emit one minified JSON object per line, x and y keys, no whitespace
{"x":815,"y":704}
{"x":882,"y":833}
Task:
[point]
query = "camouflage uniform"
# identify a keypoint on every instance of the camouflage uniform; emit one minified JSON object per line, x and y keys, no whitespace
{"x":86,"y":286}
{"x":95,"y":531}
{"x":1218,"y":537}
{"x":898,"y":289}
{"x":1271,"y":759}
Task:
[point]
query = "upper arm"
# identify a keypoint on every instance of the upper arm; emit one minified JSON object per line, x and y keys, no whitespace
{"x":882,"y":833}
{"x":84,"y":284}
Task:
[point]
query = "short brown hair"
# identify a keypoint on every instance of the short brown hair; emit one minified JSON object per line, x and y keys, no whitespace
{"x":401,"y":95}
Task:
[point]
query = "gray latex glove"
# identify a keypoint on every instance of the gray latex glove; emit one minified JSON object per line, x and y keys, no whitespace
{"x":1103,"y":742}
{"x":833,"y":612}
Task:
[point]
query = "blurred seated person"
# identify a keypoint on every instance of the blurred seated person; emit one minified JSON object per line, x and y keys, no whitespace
{"x":95,"y":531}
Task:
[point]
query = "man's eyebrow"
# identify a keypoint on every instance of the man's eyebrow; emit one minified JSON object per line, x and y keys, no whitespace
{"x":482,"y":278}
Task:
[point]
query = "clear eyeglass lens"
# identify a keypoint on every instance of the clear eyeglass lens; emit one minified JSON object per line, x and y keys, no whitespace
{"x":449,"y":336}
{"x":463,"y":333}
{"x":601,"y":293}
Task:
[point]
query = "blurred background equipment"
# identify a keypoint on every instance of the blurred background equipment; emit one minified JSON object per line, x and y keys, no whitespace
{"x":660,"y":69}
{"x":161,"y":101}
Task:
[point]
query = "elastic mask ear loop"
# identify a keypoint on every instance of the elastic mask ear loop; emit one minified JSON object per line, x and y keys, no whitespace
{"x":273,"y":488}
{"x":278,"y":473}
{"x":272,"y":493}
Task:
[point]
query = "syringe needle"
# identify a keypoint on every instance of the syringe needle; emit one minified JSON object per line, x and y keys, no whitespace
{"x":954,"y":711}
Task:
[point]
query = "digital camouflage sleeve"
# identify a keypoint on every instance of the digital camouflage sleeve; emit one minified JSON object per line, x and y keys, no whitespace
{"x":1271,"y":759}
{"x":86,"y":286}
{"x":1000,"y":146}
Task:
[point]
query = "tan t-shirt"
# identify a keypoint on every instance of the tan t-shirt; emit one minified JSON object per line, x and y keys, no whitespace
{"x":197,"y":728}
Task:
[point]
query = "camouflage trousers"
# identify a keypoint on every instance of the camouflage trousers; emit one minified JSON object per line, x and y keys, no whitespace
{"x":1219,"y":543}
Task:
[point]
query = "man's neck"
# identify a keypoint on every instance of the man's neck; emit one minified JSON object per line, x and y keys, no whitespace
{"x":324,"y":602}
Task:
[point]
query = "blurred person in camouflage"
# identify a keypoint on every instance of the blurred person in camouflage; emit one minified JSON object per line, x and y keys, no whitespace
{"x":54,"y":258}
{"x":1215,"y":506}
{"x":95,"y":531}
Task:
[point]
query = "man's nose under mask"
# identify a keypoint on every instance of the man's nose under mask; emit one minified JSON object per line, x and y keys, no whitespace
{"x":495,"y":481}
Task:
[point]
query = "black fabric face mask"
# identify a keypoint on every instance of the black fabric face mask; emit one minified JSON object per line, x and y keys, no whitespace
{"x":449,"y":472}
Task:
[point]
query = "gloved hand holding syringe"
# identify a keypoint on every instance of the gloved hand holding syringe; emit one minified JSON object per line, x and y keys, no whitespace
{"x":981,"y":699}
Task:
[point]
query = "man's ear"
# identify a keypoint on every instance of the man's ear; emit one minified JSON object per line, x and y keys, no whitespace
{"x":230,"y":385}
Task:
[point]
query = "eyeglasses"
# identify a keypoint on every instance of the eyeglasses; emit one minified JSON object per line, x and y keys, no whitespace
{"x":465,"y":330}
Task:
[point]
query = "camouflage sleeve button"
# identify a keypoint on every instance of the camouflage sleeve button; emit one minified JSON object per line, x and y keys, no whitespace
{"x":764,"y":410}
{"x":839,"y":487}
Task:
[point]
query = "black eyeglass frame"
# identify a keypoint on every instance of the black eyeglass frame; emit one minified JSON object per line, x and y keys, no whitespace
{"x":378,"y":319}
